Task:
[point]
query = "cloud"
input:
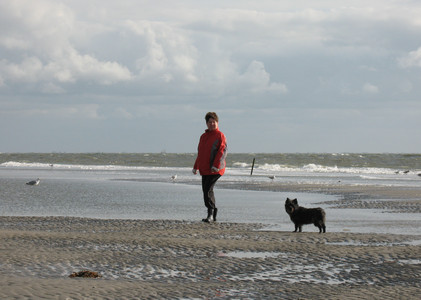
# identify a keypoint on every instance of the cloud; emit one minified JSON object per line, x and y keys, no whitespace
{"x":51,"y":88}
{"x":41,"y":42}
{"x":122,"y":113}
{"x":173,"y":56}
{"x":192,"y":51}
{"x":55,"y":112}
{"x":161,"y":65}
{"x":74,"y":67}
{"x":71,"y":67}
{"x":256,"y":79}
{"x":169,"y":54}
{"x":412,"y":59}
{"x":26,"y":71}
{"x":370,"y":88}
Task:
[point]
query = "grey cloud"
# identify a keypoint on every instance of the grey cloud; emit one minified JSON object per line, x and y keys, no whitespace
{"x":41,"y":34}
{"x":412,"y":59}
{"x":284,"y":71}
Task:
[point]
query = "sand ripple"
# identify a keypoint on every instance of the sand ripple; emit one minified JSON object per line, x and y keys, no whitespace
{"x":176,"y":259}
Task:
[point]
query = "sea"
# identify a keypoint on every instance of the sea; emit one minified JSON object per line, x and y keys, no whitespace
{"x":162,"y":186}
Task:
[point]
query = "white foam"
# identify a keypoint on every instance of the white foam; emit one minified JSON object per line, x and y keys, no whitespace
{"x":14,"y":164}
{"x":309,"y":168}
{"x":315,"y":168}
{"x":241,"y":165}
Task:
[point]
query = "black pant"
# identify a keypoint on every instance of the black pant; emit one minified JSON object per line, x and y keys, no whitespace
{"x":208,"y":182}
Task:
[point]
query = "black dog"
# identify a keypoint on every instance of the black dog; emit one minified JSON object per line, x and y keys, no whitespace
{"x":301,"y":215}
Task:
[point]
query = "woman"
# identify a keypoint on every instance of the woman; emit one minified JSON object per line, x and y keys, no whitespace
{"x":210,"y":162}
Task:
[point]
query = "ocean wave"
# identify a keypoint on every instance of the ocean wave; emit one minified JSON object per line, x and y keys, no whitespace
{"x":14,"y":164}
{"x":240,"y":166}
{"x":315,"y":168}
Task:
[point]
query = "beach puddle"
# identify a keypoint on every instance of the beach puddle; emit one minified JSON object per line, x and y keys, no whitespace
{"x":410,"y":261}
{"x":374,"y":244}
{"x":249,"y":254}
{"x":413,"y":243}
{"x":326,"y":273}
{"x":301,"y":271}
{"x":147,"y":272}
{"x":362,"y":244}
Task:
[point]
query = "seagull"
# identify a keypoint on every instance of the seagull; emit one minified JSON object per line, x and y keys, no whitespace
{"x":34,"y":182}
{"x":272,"y":177}
{"x":174,"y":177}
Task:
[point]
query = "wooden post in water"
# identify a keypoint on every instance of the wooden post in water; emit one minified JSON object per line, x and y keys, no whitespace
{"x":252,"y":166}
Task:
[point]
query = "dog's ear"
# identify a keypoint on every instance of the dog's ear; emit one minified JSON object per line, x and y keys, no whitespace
{"x":288,"y":199}
{"x":295,"y":201}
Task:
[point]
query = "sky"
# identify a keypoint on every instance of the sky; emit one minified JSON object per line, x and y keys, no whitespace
{"x":139,"y":76}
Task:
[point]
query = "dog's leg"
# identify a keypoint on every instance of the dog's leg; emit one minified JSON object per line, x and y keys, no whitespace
{"x":322,"y":226}
{"x":317,"y":224}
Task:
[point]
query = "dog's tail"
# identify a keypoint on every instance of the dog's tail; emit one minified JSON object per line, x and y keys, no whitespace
{"x":323,"y":214}
{"x":322,"y":226}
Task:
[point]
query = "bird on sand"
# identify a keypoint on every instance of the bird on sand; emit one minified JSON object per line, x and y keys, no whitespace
{"x":34,"y":182}
{"x":174,"y":177}
{"x":272,"y":177}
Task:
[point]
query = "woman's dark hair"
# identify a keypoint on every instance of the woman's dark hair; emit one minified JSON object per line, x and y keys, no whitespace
{"x":212,"y":115}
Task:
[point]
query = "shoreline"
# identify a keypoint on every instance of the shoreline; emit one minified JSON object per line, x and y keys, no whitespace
{"x":343,"y":190}
{"x":397,"y":198}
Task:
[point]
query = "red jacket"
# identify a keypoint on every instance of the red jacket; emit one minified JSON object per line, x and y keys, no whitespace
{"x":211,"y":152}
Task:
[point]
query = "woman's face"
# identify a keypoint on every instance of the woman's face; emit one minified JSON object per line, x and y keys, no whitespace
{"x":212,"y":124}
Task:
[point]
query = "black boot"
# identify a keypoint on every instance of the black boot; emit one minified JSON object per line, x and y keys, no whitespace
{"x":209,"y":217}
{"x":215,"y":212}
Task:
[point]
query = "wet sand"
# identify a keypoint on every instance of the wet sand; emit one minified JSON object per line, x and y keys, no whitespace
{"x":161,"y":259}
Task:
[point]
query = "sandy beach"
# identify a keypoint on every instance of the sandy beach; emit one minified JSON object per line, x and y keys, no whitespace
{"x":165,"y":259}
